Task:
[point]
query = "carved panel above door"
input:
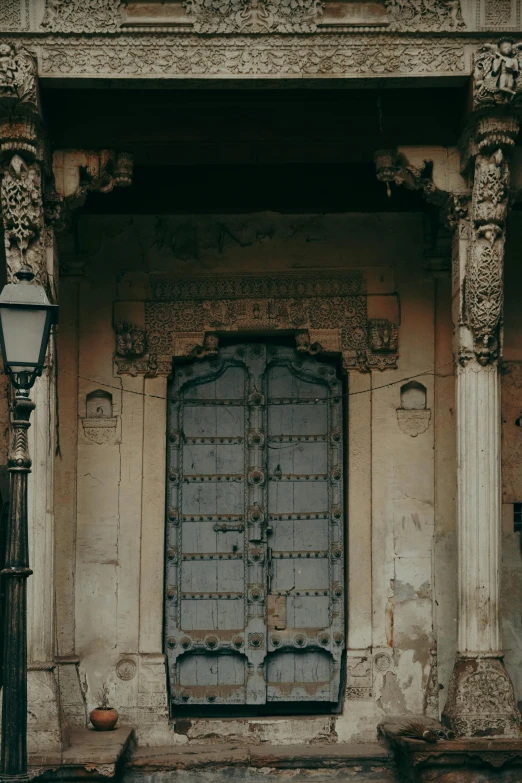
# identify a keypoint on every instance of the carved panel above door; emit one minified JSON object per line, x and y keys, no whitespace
{"x":327,"y":312}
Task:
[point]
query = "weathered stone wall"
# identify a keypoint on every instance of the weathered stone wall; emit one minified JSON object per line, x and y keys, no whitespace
{"x":401,"y":510}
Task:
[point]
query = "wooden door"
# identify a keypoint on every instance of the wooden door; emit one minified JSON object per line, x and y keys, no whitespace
{"x":254,"y":574}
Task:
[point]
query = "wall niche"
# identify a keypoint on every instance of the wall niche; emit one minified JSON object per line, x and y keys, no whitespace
{"x":413,"y":416}
{"x":99,"y":424}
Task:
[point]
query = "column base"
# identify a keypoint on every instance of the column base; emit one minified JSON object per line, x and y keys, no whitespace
{"x":44,"y":732}
{"x":481,"y":699}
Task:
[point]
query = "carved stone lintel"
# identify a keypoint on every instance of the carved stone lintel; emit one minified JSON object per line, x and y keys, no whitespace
{"x":325,"y":312}
{"x":481,"y":699}
{"x":254,"y":16}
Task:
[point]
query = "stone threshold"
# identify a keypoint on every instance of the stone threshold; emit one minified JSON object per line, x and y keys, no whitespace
{"x":219,"y":756}
{"x":91,"y":754}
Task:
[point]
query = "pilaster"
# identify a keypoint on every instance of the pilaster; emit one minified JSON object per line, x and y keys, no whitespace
{"x":481,"y":699}
{"x":29,"y":241}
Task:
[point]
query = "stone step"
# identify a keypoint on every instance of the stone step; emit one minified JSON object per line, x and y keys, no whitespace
{"x":221,"y":763}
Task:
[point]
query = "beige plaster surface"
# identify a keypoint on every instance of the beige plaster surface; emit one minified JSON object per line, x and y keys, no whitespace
{"x":401,"y":489}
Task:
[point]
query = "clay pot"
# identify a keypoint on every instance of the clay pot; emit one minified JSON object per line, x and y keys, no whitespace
{"x":104,"y":718}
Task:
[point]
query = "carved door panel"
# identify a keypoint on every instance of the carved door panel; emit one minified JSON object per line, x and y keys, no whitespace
{"x":305,"y":513}
{"x":254,"y":520}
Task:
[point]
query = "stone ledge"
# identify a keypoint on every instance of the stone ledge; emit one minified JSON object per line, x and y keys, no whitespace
{"x":96,"y":755}
{"x":279,"y":757}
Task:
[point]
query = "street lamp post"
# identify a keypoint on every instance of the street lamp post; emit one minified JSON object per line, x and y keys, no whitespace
{"x":26,"y":317}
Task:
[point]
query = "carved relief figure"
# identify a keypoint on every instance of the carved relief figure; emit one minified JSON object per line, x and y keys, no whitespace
{"x":496,"y":73}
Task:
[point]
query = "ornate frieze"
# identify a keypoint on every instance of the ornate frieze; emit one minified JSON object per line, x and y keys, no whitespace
{"x":275,"y":55}
{"x":89,"y":16}
{"x":254,"y":16}
{"x":429,"y":15}
{"x":496,"y":74}
{"x":326,"y":313}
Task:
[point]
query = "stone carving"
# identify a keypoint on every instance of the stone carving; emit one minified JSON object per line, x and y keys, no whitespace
{"x":413,"y":423}
{"x":10,"y":15}
{"x":430,"y":15}
{"x":496,"y":74}
{"x":382,"y":662}
{"x":481,"y":700}
{"x":383,"y":336}
{"x":272,"y":55}
{"x":88,"y":16}
{"x":132,"y":356}
{"x":100,"y":430}
{"x":18,"y":72}
{"x":392,"y":167}
{"x":485,"y":262}
{"x":254,"y":16}
{"x":80,"y":172}
{"x":126,"y":669}
{"x":358,"y":677}
{"x":22,"y":212}
{"x":497,"y":13}
{"x":183,"y":314}
{"x":130,"y":340}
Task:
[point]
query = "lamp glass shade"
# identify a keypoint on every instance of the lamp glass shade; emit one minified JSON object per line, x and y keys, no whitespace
{"x":26,"y":317}
{"x":25,"y":333}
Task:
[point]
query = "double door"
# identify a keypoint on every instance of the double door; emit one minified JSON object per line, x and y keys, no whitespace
{"x":254,"y":596}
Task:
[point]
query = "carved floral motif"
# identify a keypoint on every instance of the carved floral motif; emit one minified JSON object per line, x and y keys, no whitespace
{"x":254,"y":16}
{"x":90,"y":16}
{"x":429,"y":15}
{"x":271,"y":55}
{"x":496,"y":74}
{"x":22,"y":212}
{"x":484,"y":268}
{"x":481,"y":700}
{"x":17,"y":74}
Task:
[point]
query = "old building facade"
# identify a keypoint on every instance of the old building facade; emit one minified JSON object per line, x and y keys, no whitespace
{"x":276,"y":493}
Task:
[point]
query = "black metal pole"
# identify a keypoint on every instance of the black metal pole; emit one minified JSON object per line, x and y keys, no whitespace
{"x":13,"y":758}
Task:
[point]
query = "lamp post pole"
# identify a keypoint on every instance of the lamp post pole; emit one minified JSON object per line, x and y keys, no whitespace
{"x":26,"y":317}
{"x":13,"y":759}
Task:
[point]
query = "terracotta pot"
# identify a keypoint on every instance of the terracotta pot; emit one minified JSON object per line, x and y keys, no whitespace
{"x":104,"y":718}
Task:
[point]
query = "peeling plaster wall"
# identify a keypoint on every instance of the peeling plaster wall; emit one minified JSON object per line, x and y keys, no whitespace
{"x":400,"y":519}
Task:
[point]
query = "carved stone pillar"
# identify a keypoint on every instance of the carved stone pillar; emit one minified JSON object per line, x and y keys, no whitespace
{"x":481,"y":700}
{"x":28,"y":242}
